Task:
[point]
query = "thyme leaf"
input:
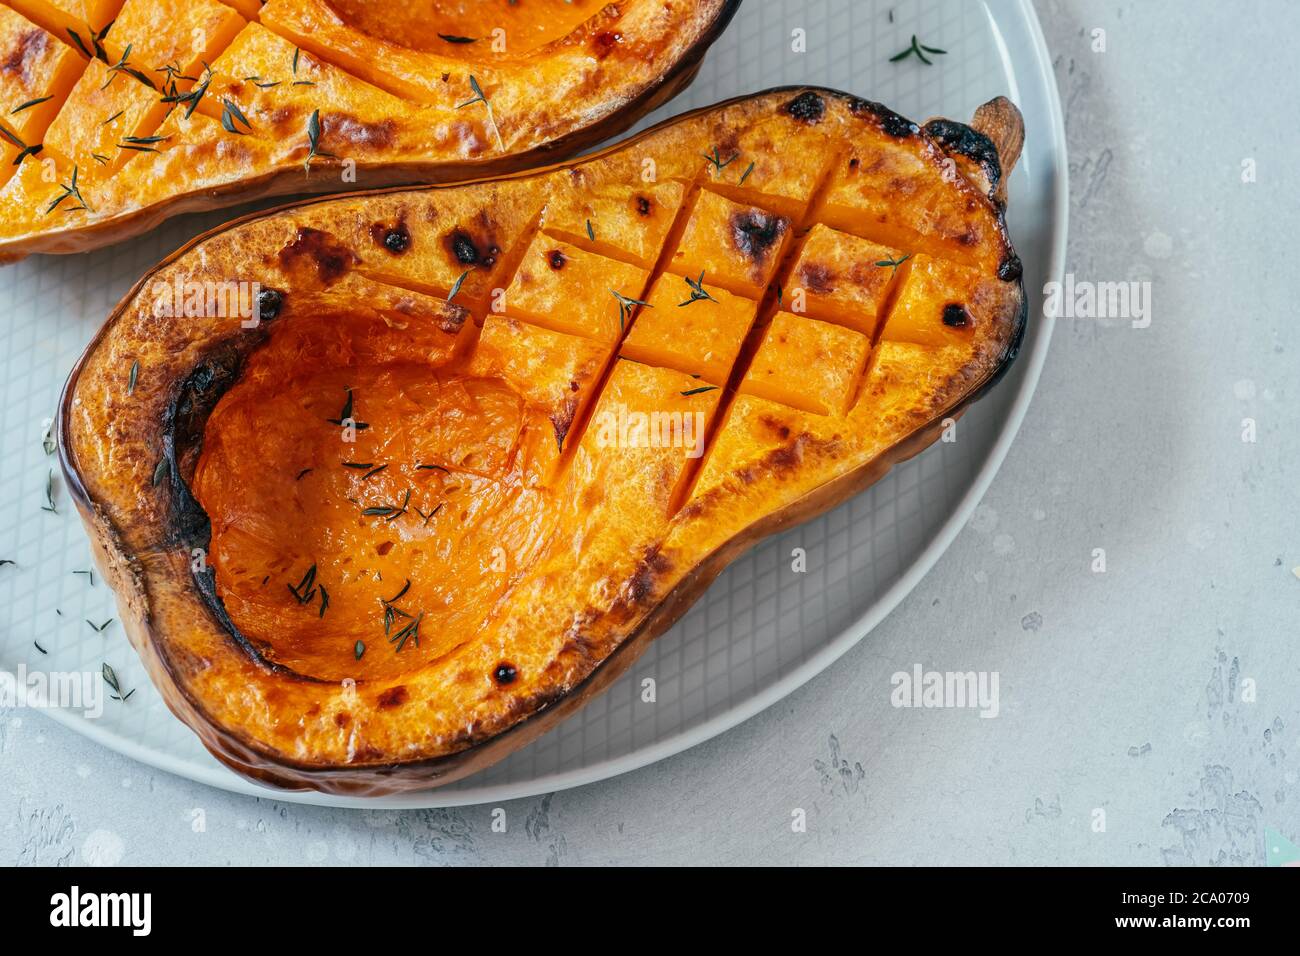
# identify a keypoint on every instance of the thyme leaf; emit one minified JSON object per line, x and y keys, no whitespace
{"x":123,"y":65}
{"x":346,"y":415}
{"x":460,"y":281}
{"x":172,"y":73}
{"x":190,"y":99}
{"x":23,"y":149}
{"x":305,"y":589}
{"x":70,"y":189}
{"x":625,"y":307}
{"x":49,"y":494}
{"x":698,"y":292}
{"x":386,"y":511}
{"x":110,"y":678}
{"x":313,"y":140}
{"x":409,"y":632}
{"x":893,"y":263}
{"x":920,"y":50}
{"x":391,"y":611}
{"x":480,"y":97}
{"x":718,"y":163}
{"x":97,"y":38}
{"x":232,"y":116}
{"x":28,"y":151}
{"x":76,"y":38}
{"x":143,"y":144}
{"x":29,"y":104}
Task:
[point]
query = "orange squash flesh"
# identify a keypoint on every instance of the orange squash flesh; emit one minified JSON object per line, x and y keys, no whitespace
{"x":36,"y":74}
{"x":466,"y":460}
{"x":704,"y":342}
{"x":807,"y":364}
{"x":87,"y":19}
{"x":163,"y":106}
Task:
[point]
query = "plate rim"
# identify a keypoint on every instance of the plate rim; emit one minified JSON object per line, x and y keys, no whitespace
{"x":1040,"y":333}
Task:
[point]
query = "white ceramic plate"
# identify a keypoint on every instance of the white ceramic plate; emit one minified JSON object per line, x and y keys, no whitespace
{"x":761,"y":630}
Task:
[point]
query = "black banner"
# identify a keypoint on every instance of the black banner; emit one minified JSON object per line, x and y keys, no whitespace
{"x":334,"y":905}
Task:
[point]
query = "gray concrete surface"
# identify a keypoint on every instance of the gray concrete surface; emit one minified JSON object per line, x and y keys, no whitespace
{"x":1161,"y":697}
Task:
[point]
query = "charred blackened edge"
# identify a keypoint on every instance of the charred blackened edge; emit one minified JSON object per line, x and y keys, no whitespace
{"x":808,"y":108}
{"x":183,"y":421}
{"x":954,"y":137}
{"x":959,"y":138}
{"x":890,"y":123}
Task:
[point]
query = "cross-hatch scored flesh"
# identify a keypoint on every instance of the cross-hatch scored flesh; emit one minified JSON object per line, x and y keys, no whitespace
{"x":167,"y":105}
{"x":546,"y":410}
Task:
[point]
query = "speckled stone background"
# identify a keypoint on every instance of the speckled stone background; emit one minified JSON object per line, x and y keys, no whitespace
{"x":1164,"y":692}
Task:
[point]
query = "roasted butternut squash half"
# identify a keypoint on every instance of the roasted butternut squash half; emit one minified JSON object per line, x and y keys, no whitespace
{"x":115,"y":114}
{"x":388,"y":484}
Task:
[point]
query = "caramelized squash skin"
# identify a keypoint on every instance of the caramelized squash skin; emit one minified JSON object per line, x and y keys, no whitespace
{"x":388,"y":484}
{"x":165,"y":106}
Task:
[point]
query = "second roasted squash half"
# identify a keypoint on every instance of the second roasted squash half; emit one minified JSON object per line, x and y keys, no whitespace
{"x":388,"y":484}
{"x":115,"y":114}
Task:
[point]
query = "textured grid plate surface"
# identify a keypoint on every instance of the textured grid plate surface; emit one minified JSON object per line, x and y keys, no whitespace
{"x":761,"y":629}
